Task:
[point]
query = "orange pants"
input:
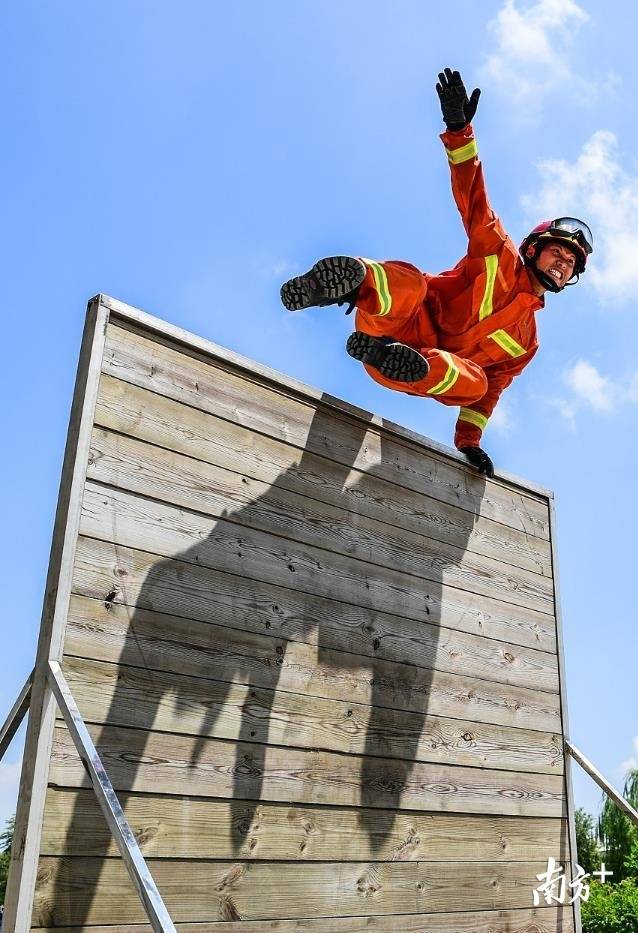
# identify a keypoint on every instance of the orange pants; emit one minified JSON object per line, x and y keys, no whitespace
{"x":391,"y":303}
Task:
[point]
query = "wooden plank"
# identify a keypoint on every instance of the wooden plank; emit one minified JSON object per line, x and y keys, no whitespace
{"x":211,"y":441}
{"x":492,"y":619}
{"x":144,"y":699}
{"x":192,"y":828}
{"x":159,"y":763}
{"x":171,"y":478}
{"x":532,"y":593}
{"x":146,"y":579}
{"x":197,"y":891}
{"x":143,"y":579}
{"x":135,"y":522}
{"x":277,"y":413}
{"x":371,"y":460}
{"x":534,"y":920}
{"x":111,"y":631}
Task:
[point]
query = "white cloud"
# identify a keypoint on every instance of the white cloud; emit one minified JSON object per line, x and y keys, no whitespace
{"x":596,"y":187}
{"x":531,"y":55}
{"x":631,"y":763}
{"x":591,"y":389}
{"x":590,"y":386}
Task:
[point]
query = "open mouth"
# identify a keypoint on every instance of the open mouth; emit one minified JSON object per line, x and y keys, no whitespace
{"x":556,"y":274}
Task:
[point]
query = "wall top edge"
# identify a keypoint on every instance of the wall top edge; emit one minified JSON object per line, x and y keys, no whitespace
{"x":155,"y":325}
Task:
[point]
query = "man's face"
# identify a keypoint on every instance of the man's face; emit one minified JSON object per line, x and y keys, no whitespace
{"x":557,"y":261}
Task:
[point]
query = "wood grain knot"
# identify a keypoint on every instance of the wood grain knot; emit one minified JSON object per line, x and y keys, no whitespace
{"x":227,"y":910}
{"x":235,"y":873}
{"x":145,"y":834}
{"x":110,"y":597}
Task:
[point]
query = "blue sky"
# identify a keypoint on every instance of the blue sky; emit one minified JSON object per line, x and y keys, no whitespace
{"x":186,"y":157}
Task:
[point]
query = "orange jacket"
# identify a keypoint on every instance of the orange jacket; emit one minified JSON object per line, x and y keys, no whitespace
{"x":483,"y":308}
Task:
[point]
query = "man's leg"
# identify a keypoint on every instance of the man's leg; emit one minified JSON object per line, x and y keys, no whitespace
{"x":392,"y":325}
{"x":393,"y":292}
{"x":390,"y":321}
{"x":389,"y":294}
{"x":451,"y":379}
{"x":391,"y":304}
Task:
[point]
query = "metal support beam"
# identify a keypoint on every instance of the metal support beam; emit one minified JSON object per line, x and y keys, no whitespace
{"x":118,"y":824}
{"x":602,"y":782}
{"x":15,"y":717}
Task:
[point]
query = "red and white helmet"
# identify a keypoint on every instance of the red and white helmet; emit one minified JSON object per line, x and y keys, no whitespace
{"x":570,"y":232}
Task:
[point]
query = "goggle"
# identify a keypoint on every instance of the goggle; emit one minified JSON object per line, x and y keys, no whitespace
{"x":569,"y":228}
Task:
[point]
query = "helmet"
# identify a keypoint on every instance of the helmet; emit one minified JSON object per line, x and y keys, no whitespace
{"x":568,"y":231}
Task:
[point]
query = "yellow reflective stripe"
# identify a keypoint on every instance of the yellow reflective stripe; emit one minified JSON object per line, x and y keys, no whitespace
{"x":456,"y":156}
{"x":381,"y":285}
{"x":503,"y":339}
{"x":449,"y":379}
{"x":474,"y":417}
{"x":491,"y":265}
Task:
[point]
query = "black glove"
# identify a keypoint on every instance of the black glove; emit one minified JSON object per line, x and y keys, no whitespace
{"x":479,"y":459}
{"x":457,"y":109}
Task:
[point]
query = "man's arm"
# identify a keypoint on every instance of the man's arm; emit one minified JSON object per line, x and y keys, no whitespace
{"x":472,"y":420}
{"x":485,"y":231}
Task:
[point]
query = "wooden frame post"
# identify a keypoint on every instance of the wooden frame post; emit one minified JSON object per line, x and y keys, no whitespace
{"x":604,"y":784}
{"x":33,"y":780}
{"x":571,"y":816}
{"x":16,"y":715}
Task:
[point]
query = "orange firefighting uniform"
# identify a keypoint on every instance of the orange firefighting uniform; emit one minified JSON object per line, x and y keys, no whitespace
{"x":475,"y":323}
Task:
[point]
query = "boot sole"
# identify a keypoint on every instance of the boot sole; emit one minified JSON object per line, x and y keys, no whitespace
{"x":393,"y":360}
{"x":329,"y":280}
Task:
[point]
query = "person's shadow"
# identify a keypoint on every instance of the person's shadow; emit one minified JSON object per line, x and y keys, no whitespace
{"x":349,"y":575}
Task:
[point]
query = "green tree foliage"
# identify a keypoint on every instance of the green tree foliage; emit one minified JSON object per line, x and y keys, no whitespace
{"x":586,"y":844}
{"x":611,"y":908}
{"x":631,"y":863}
{"x":618,"y":834}
{"x":6,"y":839}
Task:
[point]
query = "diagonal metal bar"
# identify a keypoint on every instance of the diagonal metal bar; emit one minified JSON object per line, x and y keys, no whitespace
{"x":118,"y":824}
{"x":602,"y":782}
{"x":15,"y":717}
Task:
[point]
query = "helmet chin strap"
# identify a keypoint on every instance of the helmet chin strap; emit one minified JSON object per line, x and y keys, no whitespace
{"x":550,"y":284}
{"x":545,"y":279}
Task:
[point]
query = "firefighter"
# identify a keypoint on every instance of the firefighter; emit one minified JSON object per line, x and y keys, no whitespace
{"x":461,"y":336}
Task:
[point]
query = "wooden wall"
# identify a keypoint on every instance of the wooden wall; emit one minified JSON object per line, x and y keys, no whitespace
{"x":318,"y":656}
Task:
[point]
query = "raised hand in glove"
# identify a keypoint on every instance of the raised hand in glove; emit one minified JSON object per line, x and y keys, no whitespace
{"x":457,"y":110}
{"x":479,"y":459}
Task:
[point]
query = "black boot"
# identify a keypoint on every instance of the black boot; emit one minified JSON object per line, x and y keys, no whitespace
{"x":334,"y":280}
{"x":393,"y":360}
